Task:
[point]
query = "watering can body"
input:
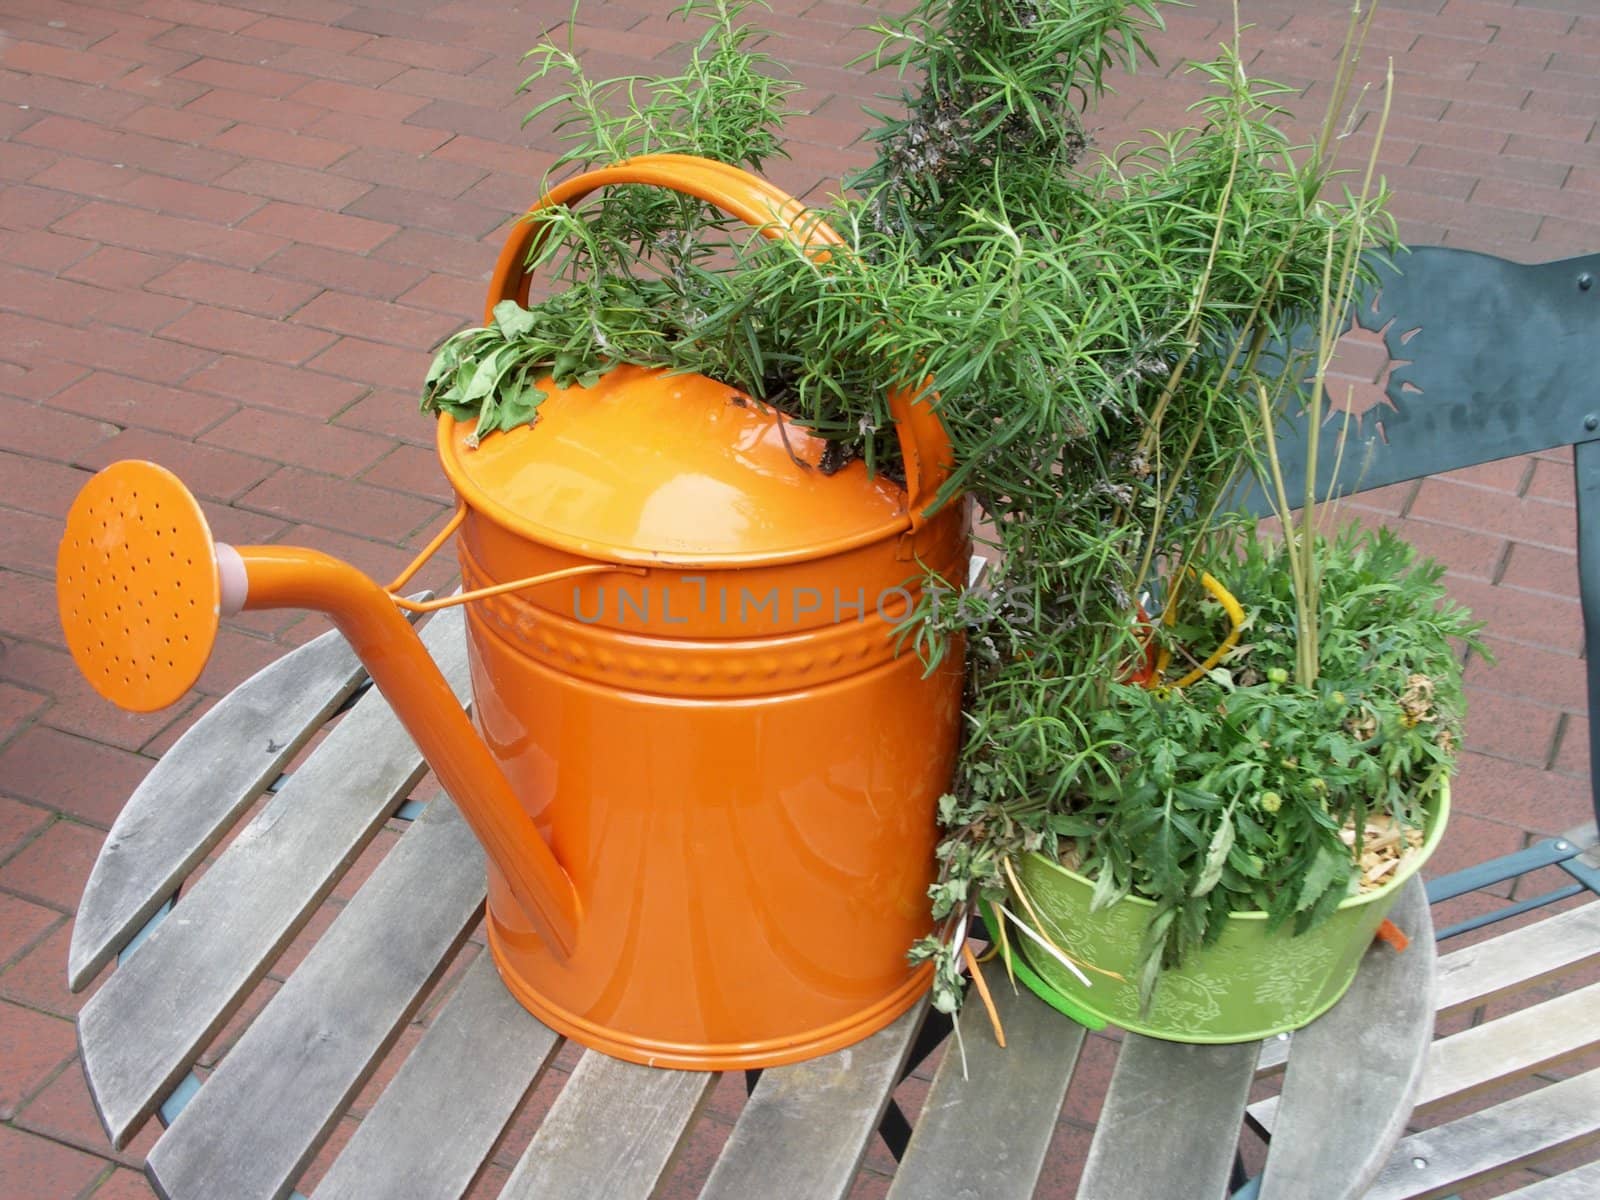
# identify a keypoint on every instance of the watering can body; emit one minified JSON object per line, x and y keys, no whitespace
{"x":724,"y":749}
{"x":704,"y":770}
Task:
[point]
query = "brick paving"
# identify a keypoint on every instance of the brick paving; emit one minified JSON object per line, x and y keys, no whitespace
{"x":229,"y":233}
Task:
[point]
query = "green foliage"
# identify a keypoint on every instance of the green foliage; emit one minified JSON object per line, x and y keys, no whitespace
{"x":493,"y":374}
{"x":728,"y":103}
{"x":1093,"y":325}
{"x":1000,"y":82}
{"x":635,"y":272}
{"x":1230,"y":794}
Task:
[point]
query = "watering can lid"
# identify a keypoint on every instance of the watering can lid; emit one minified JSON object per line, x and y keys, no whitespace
{"x":649,"y":467}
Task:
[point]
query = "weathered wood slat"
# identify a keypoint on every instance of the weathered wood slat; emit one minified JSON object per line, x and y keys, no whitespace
{"x":1274,"y":1056}
{"x":192,"y":797}
{"x":1515,"y":1045}
{"x":1524,"y":1042}
{"x":611,"y":1133}
{"x":1503,"y":965}
{"x":1157,"y":1088}
{"x":1332,"y":1142}
{"x":257,"y":1121}
{"x":1581,"y":1183}
{"x":1519,"y":959}
{"x":809,"y":1124}
{"x":984,"y":1137}
{"x":142,"y":1029}
{"x":438,"y":1120}
{"x":1438,"y":1162}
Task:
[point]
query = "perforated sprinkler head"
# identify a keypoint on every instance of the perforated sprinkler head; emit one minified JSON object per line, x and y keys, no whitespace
{"x":137,"y":586}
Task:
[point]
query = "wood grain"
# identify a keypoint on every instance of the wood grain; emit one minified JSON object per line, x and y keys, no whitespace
{"x":142,"y":1029}
{"x":259,"y":1118}
{"x":611,"y":1134}
{"x":1446,"y":1159}
{"x":1332,"y":1141}
{"x":192,"y":797}
{"x":1518,"y":1044}
{"x":1582,"y":1183}
{"x":809,"y":1124}
{"x":984,"y":1136}
{"x":1501,"y":966}
{"x":440,"y":1117}
{"x":1170,"y":1122}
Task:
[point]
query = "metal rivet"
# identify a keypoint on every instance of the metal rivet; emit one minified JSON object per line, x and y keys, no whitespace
{"x":1591,"y":422}
{"x":1562,"y":846}
{"x":1419,"y":1163}
{"x":1585,"y":282}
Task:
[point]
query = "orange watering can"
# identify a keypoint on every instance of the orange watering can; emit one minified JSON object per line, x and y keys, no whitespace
{"x":704,"y":778}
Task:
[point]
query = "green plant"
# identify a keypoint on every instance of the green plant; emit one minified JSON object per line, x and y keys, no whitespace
{"x":1096,"y":328}
{"x":1239,"y":791}
{"x":1000,"y":85}
{"x":631,"y":277}
{"x":1245,"y":789}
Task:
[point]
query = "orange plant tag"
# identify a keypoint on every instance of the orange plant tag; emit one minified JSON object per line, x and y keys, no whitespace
{"x":1390,"y":932}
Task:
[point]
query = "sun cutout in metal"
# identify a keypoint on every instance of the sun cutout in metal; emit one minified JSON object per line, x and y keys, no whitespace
{"x":1489,"y":359}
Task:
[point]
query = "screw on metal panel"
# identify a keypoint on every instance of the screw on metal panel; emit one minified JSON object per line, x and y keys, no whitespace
{"x":1585,"y":282}
{"x":1419,"y":1163}
{"x":1591,"y":422}
{"x":1562,"y":846}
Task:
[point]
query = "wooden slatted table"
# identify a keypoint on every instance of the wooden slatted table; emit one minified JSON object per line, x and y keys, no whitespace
{"x":1168,"y":1126}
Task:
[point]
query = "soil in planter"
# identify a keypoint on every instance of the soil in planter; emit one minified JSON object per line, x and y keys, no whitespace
{"x":1385,"y":843}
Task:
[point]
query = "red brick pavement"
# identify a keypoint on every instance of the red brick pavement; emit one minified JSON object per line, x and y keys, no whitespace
{"x":229,"y":233}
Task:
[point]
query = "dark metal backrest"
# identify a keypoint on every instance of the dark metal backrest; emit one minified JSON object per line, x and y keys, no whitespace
{"x":1491,"y":359}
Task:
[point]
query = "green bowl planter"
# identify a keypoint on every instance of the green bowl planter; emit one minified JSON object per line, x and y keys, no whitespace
{"x":1247,"y":985}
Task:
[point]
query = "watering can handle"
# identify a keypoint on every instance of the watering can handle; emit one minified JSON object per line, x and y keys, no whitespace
{"x":924,"y":443}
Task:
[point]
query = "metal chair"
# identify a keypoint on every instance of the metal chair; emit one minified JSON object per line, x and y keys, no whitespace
{"x":1493,"y":359}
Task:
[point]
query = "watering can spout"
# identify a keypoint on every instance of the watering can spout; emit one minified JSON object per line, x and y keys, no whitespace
{"x":141,"y":587}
